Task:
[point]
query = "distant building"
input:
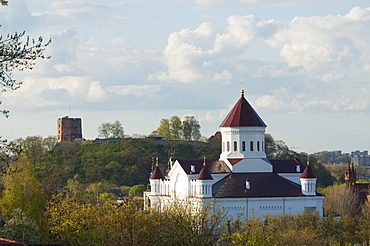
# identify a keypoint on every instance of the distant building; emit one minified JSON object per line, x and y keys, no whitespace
{"x":69,"y":129}
{"x":242,"y":180}
{"x":360,"y":158}
{"x":357,"y":152}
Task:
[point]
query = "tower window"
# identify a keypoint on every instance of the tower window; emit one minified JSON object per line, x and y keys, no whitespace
{"x":251,"y":145}
{"x":258,"y":145}
{"x":228,"y":146}
{"x":243,"y":145}
{"x":235,"y":146}
{"x":223,"y":146}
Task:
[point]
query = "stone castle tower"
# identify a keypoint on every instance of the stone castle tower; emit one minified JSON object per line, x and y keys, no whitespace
{"x":69,"y":129}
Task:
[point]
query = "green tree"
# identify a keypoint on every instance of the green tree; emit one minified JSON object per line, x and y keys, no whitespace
{"x":164,"y":129}
{"x":277,"y":149}
{"x":49,"y":143}
{"x":111,"y":130}
{"x":137,"y":190}
{"x":117,"y":129}
{"x":176,"y":128}
{"x":191,"y":128}
{"x":22,"y":190}
{"x":33,"y":148}
{"x":21,"y":228}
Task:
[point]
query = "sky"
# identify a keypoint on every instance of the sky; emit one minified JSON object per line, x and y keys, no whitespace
{"x":305,"y":65}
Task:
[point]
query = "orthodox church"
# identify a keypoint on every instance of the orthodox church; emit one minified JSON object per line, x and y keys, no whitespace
{"x":242,"y":181}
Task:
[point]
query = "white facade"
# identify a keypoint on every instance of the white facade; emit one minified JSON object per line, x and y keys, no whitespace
{"x":243,"y":181}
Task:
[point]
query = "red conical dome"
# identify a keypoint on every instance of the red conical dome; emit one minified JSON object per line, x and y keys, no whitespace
{"x":242,"y":114}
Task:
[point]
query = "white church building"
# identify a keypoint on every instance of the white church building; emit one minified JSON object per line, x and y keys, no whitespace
{"x":242,"y":180}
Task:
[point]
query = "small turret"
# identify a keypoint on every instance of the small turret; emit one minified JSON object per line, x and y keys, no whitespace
{"x":155,"y":180}
{"x":308,"y":181}
{"x":204,"y":182}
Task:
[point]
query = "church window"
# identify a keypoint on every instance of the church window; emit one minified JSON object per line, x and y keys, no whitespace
{"x":243,"y":145}
{"x":235,"y":146}
{"x":223,"y":146}
{"x":263,"y":146}
{"x":251,"y":145}
{"x":228,"y":146}
{"x":258,"y":145}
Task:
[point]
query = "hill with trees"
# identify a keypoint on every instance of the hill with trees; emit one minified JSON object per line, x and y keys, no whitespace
{"x":60,"y":190}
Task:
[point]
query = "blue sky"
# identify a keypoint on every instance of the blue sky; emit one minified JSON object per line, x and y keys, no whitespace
{"x":306,"y":66}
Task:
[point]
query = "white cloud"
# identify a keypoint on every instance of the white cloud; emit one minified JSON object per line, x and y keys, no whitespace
{"x":343,"y":103}
{"x":136,"y":90}
{"x":95,"y":92}
{"x":191,"y":55}
{"x":270,"y":102}
{"x":214,"y":116}
{"x":332,"y":76}
{"x":317,"y":44}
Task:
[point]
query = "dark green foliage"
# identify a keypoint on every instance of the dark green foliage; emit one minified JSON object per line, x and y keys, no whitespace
{"x":126,"y":162}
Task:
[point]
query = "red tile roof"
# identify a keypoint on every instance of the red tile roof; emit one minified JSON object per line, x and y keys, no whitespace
{"x":157,"y":174}
{"x":261,"y":185}
{"x":286,"y":166}
{"x":4,"y":241}
{"x":308,"y":173}
{"x":242,"y":114}
{"x":204,"y":174}
{"x":213,"y":165}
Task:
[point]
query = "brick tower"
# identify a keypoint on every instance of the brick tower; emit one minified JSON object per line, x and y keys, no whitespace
{"x":69,"y":129}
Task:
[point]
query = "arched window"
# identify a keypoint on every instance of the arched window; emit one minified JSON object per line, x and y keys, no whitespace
{"x":235,"y":146}
{"x":263,"y":146}
{"x":228,"y":146}
{"x":243,"y":145}
{"x":251,"y":146}
{"x":258,"y":145}
{"x":223,"y":146}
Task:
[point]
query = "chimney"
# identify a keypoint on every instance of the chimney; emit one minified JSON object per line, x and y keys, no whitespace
{"x":192,"y":168}
{"x":247,"y":184}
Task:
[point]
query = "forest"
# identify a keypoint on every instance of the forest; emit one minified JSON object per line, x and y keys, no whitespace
{"x":58,"y":193}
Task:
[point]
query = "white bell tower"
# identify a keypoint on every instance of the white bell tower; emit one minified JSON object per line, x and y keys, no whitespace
{"x":243,"y":139}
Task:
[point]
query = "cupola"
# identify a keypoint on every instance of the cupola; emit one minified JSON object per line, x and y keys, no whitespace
{"x":243,"y":139}
{"x":308,"y":181}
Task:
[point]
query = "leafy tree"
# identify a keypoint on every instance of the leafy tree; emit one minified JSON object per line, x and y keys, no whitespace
{"x":17,"y":52}
{"x":164,"y":129}
{"x":33,"y":148}
{"x":137,"y":190}
{"x":111,"y":130}
{"x":9,"y":152}
{"x":49,"y":143}
{"x":104,"y":130}
{"x":277,"y":149}
{"x":21,"y":228}
{"x":190,"y":128}
{"x":117,"y":129}
{"x":22,"y":190}
{"x":342,"y":201}
{"x":176,"y":128}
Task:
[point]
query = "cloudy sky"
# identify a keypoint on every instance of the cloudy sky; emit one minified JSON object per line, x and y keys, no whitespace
{"x":306,"y":66}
